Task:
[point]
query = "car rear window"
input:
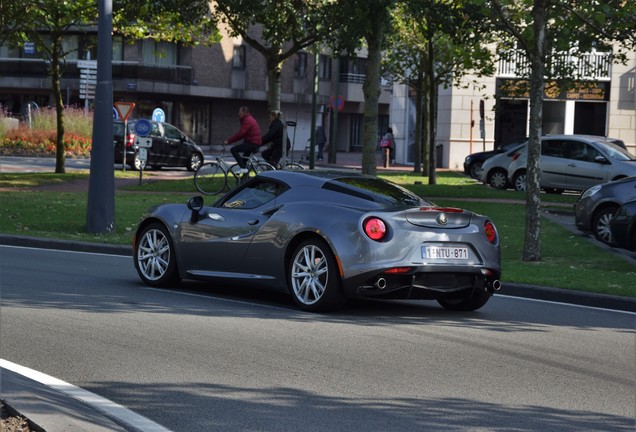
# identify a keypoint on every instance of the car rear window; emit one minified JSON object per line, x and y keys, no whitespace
{"x":375,"y":190}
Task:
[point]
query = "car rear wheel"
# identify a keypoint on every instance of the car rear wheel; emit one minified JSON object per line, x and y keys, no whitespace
{"x":498,"y":179}
{"x":196,"y":159}
{"x":313,"y":277}
{"x":475,"y":170}
{"x":138,"y":164}
{"x":154,"y":256}
{"x":601,"y":225}
{"x":478,"y":298}
{"x":519,"y":181}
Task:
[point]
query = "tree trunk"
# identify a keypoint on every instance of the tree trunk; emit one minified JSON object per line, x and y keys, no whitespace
{"x":59,"y":105}
{"x":371,"y":88}
{"x":532,"y":243}
{"x":417,"y":136}
{"x":274,"y":68}
{"x":432,"y":160}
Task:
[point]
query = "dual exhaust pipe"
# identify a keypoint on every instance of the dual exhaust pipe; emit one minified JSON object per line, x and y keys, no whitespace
{"x":380,"y":283}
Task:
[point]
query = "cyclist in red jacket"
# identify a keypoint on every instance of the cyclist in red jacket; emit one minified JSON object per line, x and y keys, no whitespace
{"x":251,"y":135}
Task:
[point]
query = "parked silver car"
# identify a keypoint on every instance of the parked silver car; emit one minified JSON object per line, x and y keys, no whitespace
{"x":494,"y":170}
{"x":596,"y":207}
{"x":574,"y":162}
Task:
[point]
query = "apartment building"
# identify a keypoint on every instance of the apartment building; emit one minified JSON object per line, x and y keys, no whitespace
{"x":605,"y":105}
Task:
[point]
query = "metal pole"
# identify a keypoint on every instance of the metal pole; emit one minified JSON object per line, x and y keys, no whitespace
{"x":100,"y":212}
{"x":314,"y":93}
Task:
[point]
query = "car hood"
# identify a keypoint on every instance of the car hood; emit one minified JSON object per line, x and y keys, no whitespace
{"x":436,"y":217}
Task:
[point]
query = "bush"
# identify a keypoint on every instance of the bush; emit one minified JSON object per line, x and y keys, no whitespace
{"x":41,"y":138}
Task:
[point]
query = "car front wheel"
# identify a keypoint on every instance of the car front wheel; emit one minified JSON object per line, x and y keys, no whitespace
{"x":196,"y":159}
{"x":477,"y":299}
{"x":154,"y":256}
{"x":601,"y":225}
{"x":475,"y":170}
{"x":313,"y":277}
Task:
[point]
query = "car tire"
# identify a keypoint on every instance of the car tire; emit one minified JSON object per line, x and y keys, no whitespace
{"x":475,"y":170}
{"x":138,"y":164}
{"x":498,"y":179}
{"x":154,"y":256}
{"x":477,"y":299}
{"x":195,"y":161}
{"x":519,"y":181}
{"x":313,"y":278}
{"x":601,"y":225}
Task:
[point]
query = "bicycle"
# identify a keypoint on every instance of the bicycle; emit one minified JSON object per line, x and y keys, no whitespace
{"x":212,"y":177}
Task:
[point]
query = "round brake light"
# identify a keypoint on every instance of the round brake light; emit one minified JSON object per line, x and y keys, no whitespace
{"x":374,"y":228}
{"x":491,"y":232}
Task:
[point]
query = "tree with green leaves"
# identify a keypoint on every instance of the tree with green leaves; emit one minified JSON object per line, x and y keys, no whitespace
{"x":13,"y":19}
{"x":277,"y":29}
{"x":543,"y":30}
{"x":49,"y":21}
{"x":435,"y":43}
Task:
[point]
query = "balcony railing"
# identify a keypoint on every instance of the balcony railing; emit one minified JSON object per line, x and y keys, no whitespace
{"x":15,"y":67}
{"x":588,"y":66}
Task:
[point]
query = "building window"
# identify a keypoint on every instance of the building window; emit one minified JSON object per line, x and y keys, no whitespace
{"x":300,"y":65}
{"x":324,"y":67}
{"x":238,"y":58}
{"x":161,"y":53}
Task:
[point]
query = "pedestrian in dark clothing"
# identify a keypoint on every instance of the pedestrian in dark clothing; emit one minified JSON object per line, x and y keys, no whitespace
{"x":275,"y":136}
{"x":321,"y":140}
{"x":251,"y":135}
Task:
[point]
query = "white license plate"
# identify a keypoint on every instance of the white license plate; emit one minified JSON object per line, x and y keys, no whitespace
{"x":445,"y":253}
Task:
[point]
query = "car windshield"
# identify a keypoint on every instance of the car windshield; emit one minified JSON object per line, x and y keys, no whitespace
{"x":615,"y":152}
{"x":376,"y":190}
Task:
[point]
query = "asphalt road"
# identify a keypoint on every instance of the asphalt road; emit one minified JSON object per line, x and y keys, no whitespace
{"x":205,"y":358}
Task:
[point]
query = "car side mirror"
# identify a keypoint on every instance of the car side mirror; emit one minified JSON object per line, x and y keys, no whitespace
{"x":601,"y":160}
{"x":195,"y":204}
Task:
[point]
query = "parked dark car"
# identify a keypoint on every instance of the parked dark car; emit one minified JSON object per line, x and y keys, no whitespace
{"x":170,"y":147}
{"x":324,"y":237}
{"x":623,"y":226}
{"x":474,"y":161}
{"x":597,"y":205}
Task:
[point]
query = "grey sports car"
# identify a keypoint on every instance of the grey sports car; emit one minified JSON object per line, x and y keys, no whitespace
{"x":324,"y":237}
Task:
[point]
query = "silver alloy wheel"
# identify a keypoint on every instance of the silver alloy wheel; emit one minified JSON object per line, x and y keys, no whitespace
{"x":138,"y":164}
{"x":195,"y":162}
{"x":153,"y":254}
{"x":309,"y":274}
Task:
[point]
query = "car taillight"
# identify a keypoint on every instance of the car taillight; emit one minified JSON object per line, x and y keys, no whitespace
{"x":491,"y":232}
{"x":515,"y":156}
{"x":130,"y":140}
{"x":398,"y":270}
{"x":374,"y":228}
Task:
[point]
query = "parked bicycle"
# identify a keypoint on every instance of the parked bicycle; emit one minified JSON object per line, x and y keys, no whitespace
{"x":215,"y":176}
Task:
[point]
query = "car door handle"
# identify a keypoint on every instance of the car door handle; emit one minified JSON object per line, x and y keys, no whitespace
{"x":216,"y":217}
{"x":253,"y":222}
{"x":571,"y":164}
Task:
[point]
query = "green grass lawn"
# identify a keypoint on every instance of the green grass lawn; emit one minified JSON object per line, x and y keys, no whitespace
{"x":568,"y":261}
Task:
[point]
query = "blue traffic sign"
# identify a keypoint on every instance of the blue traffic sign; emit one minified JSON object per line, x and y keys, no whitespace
{"x":142,"y":127}
{"x":158,"y":115}
{"x":115,"y":114}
